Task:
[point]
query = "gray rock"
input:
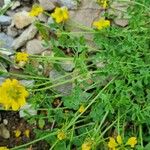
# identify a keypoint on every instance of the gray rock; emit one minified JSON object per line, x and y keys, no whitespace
{"x":121,"y":22}
{"x":12,"y":31}
{"x":34,"y":47}
{"x":64,"y":89}
{"x":70,"y":4}
{"x":42,"y":18}
{"x":27,"y":83}
{"x":47,"y":5}
{"x":50,"y":20}
{"x":28,"y":34}
{"x":1,"y":3}
{"x":22,"y":19}
{"x":27,"y":110}
{"x":67,"y":65}
{"x":15,"y":5}
{"x":5,"y":20}
{"x":5,"y":41}
{"x":4,"y":133}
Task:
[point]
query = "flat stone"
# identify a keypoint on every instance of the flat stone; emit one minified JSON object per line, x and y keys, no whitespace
{"x":5,"y":41}
{"x":27,"y":35}
{"x":5,"y":20}
{"x":64,"y":89}
{"x":34,"y":47}
{"x":47,"y":4}
{"x":22,"y":19}
{"x":121,"y":22}
{"x":70,"y":4}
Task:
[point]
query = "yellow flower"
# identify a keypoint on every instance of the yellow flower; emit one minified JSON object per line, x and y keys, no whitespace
{"x":81,"y":109}
{"x":4,"y":148}
{"x":36,"y":10}
{"x":12,"y":94}
{"x":60,"y":14}
{"x":119,"y":139}
{"x":103,"y":3}
{"x":132,"y":141}
{"x":61,"y":135}
{"x":17,"y":133}
{"x":21,"y":56}
{"x":27,"y":133}
{"x":86,"y":146}
{"x":112,"y":143}
{"x":102,"y":23}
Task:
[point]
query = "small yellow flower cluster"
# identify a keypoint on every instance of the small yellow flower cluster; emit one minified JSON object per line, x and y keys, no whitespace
{"x":60,"y":14}
{"x":18,"y":133}
{"x":81,"y":109}
{"x":12,"y":94}
{"x":87,"y":145}
{"x":21,"y":56}
{"x":36,"y":10}
{"x":61,"y":135}
{"x":113,"y":144}
{"x":4,"y":148}
{"x":103,"y":3}
{"x":102,"y":23}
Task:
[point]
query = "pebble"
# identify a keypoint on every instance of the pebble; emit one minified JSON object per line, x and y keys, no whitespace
{"x":22,"y":19}
{"x":5,"y":121}
{"x":5,"y":41}
{"x":47,"y":5}
{"x":68,"y":65}
{"x":26,"y":35}
{"x":5,"y":20}
{"x":4,"y":133}
{"x":34,"y":47}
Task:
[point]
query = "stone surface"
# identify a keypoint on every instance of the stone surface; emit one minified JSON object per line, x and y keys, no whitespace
{"x":27,"y":83}
{"x":70,"y":4}
{"x":4,"y":133}
{"x":34,"y":47}
{"x":67,"y":65}
{"x":22,"y":19}
{"x":5,"y":20}
{"x":47,"y":5}
{"x":64,"y":89}
{"x":27,"y":110}
{"x":15,"y":5}
{"x":12,"y":31}
{"x":1,"y":3}
{"x":42,"y":18}
{"x":28,"y":34}
{"x":121,"y":22}
{"x":50,"y":20}
{"x":5,"y":41}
